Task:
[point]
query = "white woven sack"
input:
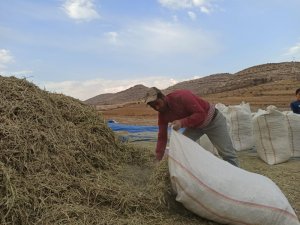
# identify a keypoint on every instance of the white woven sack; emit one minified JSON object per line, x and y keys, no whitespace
{"x":214,"y":189}
{"x":270,"y":129}
{"x":240,"y":127}
{"x":207,"y":145}
{"x":223,"y":109}
{"x":293,"y":121}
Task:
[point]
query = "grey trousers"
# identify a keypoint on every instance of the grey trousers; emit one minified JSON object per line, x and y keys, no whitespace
{"x":218,"y":134}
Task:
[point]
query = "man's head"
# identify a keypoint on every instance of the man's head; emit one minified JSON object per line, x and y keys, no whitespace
{"x":298,"y":94}
{"x":156,"y":99}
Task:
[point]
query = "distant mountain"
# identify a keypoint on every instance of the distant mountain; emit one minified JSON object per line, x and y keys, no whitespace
{"x":249,"y":77}
{"x":132,"y":94}
{"x":213,"y":84}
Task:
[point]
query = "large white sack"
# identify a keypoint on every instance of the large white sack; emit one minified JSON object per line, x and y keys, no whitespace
{"x":239,"y":122}
{"x":293,"y":121}
{"x":207,"y":145}
{"x":214,"y":189}
{"x":270,"y":130}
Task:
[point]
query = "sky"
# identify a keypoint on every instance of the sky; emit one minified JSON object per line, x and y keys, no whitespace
{"x":83,"y":48}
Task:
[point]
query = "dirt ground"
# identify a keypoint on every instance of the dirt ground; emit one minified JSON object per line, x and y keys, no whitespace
{"x":134,"y":114}
{"x":285,"y":175}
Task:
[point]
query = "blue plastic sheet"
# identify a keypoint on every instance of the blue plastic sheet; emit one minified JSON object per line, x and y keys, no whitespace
{"x":132,"y":128}
{"x":135,"y":132}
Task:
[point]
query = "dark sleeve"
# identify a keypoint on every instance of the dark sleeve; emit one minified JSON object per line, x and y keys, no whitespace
{"x":196,"y":110}
{"x":162,"y":138}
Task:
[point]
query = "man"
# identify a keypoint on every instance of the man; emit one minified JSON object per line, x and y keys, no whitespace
{"x":295,"y":105}
{"x":186,"y":110}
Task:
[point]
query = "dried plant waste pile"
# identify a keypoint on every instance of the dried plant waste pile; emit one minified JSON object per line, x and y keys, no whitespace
{"x":61,"y":164}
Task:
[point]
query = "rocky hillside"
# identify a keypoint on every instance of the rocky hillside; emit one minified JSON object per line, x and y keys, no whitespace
{"x":253,"y":76}
{"x":132,"y":94}
{"x":231,"y":85}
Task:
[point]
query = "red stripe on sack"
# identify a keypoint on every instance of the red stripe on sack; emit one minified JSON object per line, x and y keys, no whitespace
{"x":231,"y":199}
{"x":261,"y":139}
{"x":208,"y":209}
{"x":273,"y":150}
{"x":238,"y":130}
{"x":291,"y":135}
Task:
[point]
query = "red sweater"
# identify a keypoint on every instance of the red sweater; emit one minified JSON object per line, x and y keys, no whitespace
{"x":183,"y":105}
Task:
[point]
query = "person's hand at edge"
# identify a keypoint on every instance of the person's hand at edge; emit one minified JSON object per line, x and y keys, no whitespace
{"x":159,"y":157}
{"x":176,"y":124}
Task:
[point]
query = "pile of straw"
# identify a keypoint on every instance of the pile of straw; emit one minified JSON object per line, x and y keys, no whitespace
{"x":61,"y":164}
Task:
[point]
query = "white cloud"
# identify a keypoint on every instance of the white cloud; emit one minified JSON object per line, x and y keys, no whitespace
{"x":87,"y":89}
{"x":192,"y":15}
{"x":176,"y":4}
{"x":204,"y":6}
{"x":22,"y":73}
{"x":166,"y":39}
{"x":199,"y":2}
{"x":294,"y":50}
{"x":81,"y":10}
{"x":5,"y":58}
{"x":112,"y":37}
{"x":205,"y":10}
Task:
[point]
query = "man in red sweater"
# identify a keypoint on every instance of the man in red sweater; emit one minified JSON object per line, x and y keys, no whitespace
{"x":186,"y":110}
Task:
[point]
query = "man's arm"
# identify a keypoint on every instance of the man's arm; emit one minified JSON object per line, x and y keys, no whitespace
{"x":162,"y":140}
{"x":198,"y":114}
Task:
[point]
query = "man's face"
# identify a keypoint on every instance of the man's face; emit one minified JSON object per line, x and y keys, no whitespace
{"x":159,"y":105}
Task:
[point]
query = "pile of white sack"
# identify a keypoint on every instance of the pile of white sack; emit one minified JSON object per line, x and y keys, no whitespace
{"x":274,"y":134}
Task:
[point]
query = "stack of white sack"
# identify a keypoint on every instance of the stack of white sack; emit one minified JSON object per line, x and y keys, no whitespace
{"x":293,"y":121}
{"x":271,"y":132}
{"x":239,"y":122}
{"x":216,"y":190}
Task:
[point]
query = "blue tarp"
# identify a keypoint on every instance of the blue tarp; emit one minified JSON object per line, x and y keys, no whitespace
{"x":140,"y":131}
{"x":132,"y":128}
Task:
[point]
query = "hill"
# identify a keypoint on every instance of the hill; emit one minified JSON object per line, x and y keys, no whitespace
{"x":261,"y":85}
{"x":132,"y":94}
{"x":250,"y":77}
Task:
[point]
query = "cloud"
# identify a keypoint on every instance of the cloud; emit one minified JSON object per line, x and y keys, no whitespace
{"x":159,"y":38}
{"x":20,"y":74}
{"x":5,"y":58}
{"x":87,"y":89}
{"x":176,"y":4}
{"x":192,"y":15}
{"x":205,"y":10}
{"x":83,"y":10}
{"x":112,"y":37}
{"x":204,"y":6}
{"x":293,"y":51}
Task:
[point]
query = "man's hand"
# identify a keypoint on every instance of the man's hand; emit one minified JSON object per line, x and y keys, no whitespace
{"x":158,"y":157}
{"x":176,"y":124}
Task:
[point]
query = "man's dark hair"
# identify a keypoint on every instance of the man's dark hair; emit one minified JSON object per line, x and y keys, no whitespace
{"x":159,"y":94}
{"x":298,"y":91}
